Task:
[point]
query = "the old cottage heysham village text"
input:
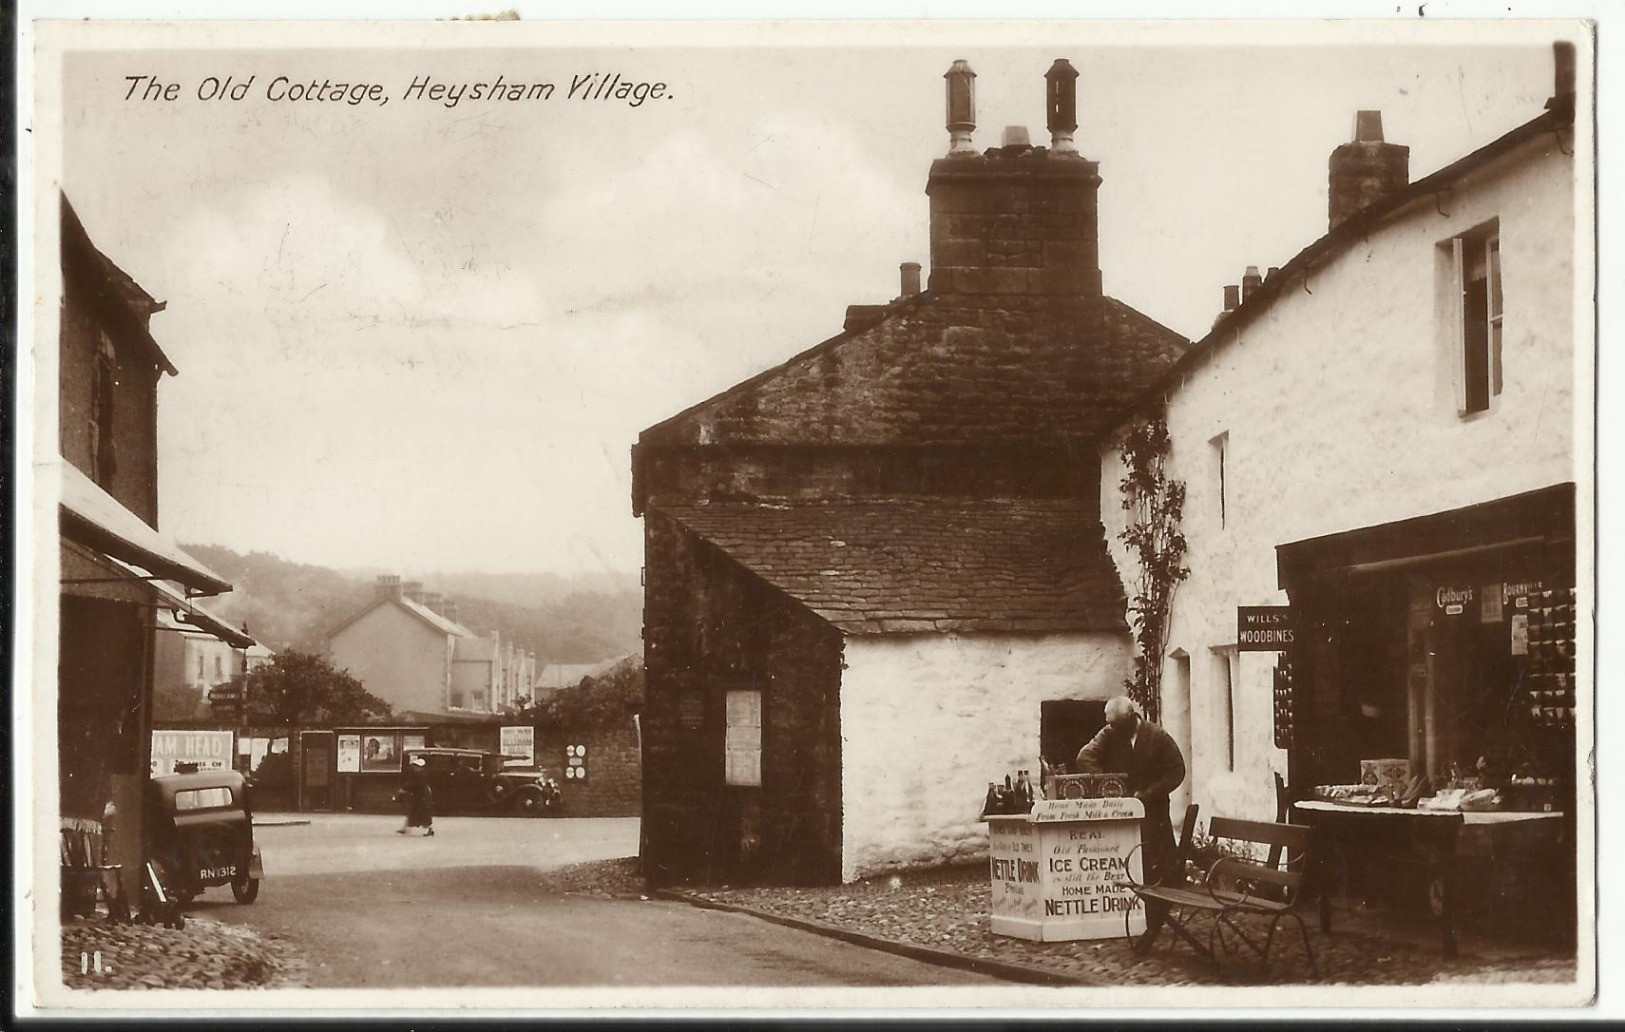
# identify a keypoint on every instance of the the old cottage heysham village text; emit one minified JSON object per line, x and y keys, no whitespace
{"x":280,"y":89}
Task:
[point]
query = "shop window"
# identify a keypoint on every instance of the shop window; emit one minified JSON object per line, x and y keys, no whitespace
{"x":743,"y":741}
{"x":1475,"y":313}
{"x":1220,"y":446}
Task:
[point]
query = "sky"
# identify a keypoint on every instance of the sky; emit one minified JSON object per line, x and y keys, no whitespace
{"x":424,"y":337}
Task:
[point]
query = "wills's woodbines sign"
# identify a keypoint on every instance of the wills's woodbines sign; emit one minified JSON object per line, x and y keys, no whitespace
{"x":1263,"y":628}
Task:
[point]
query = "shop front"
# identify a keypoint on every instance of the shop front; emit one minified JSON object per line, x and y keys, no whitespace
{"x":1428,"y":705}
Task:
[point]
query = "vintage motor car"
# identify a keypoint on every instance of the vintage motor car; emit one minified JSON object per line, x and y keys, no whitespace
{"x":200,"y":833}
{"x":470,"y":779}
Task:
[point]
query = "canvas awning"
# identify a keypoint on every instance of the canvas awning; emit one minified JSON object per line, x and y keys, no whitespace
{"x":94,"y":518}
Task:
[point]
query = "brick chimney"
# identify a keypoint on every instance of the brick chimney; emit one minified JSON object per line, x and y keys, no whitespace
{"x":1016,"y":219}
{"x":388,"y":586}
{"x":1366,"y":170}
{"x":448,"y":609}
{"x":434,"y":601}
{"x":413,"y":591}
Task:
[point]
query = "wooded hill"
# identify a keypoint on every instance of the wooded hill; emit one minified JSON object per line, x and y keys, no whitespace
{"x":565,"y":619}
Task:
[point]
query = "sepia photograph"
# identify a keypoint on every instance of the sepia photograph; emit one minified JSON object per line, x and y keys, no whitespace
{"x":549,"y":515}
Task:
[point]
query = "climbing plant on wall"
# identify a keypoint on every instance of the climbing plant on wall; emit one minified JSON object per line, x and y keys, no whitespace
{"x":1154,"y":504}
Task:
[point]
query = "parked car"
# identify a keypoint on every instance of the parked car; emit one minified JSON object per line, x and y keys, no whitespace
{"x":200,"y":833}
{"x":470,"y":779}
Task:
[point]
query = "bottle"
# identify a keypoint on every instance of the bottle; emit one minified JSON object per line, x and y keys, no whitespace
{"x":991,"y":805}
{"x":1024,"y":792}
{"x":1008,"y":797}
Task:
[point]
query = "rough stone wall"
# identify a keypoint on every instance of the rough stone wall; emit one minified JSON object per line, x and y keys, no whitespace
{"x":135,"y":409}
{"x":710,"y":627}
{"x":928,"y":720}
{"x":614,"y":785}
{"x":1024,"y":224}
{"x":1341,"y":413}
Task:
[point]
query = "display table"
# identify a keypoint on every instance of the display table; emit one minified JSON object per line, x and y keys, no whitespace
{"x":1435,"y":835}
{"x":1054,"y":869}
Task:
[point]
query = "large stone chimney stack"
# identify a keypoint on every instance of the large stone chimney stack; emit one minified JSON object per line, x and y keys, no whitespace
{"x":1017,"y":219}
{"x":1366,"y":170}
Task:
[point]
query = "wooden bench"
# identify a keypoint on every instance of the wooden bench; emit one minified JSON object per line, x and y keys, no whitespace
{"x":1236,"y":890}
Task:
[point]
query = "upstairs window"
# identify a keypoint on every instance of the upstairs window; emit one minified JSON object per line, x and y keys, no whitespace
{"x":1475,"y":260}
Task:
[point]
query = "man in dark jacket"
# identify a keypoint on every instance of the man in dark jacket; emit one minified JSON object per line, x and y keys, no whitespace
{"x":1131,"y":745}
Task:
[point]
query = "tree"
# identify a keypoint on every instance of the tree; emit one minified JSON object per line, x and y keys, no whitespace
{"x":299,"y":688}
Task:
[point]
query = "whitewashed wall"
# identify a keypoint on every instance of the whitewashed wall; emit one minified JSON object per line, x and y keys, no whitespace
{"x":928,"y":720}
{"x":1340,"y":409}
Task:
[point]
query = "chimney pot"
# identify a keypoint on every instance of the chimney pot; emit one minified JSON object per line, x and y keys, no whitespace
{"x":911,"y":278}
{"x":1271,"y":273}
{"x":1016,"y":138}
{"x":1061,"y":103}
{"x":1232,"y":297}
{"x":1250,"y":281}
{"x":961,"y":107}
{"x":1368,"y":127}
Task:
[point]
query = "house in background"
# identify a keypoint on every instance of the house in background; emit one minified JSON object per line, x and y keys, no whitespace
{"x":874,"y":572}
{"x":1381,"y":435}
{"x":407,"y":648}
{"x":117,"y":569}
{"x":190,"y":660}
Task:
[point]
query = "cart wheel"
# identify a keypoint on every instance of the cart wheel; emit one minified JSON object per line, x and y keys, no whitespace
{"x":246,"y":890}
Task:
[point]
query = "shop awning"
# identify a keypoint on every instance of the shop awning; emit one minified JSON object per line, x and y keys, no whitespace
{"x":94,"y":518}
{"x":191,"y":616}
{"x":1545,"y":515}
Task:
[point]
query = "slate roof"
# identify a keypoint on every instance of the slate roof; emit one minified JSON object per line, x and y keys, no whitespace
{"x":879,"y":566}
{"x":943,"y":370}
{"x":422,"y":612}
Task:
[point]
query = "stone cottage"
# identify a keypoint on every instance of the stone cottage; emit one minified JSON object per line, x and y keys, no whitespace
{"x":873,"y":572}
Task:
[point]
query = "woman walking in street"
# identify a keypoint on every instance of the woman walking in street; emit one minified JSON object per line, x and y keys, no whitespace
{"x":419,"y":799}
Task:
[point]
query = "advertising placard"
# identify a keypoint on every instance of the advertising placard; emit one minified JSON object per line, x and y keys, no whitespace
{"x":1263,"y":628}
{"x":381,"y":751}
{"x":519,"y":742}
{"x":349,"y":758}
{"x":210,"y":750}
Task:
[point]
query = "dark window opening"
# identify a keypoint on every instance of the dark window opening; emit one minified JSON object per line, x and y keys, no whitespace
{"x":1065,"y":726}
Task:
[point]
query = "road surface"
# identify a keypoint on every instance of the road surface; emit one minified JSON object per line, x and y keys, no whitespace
{"x":373,"y":909}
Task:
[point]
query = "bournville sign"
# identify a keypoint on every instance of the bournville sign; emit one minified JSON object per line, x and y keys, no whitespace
{"x":1263,"y":628}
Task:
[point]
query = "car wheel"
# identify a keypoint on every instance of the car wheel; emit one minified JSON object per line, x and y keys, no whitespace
{"x":245,"y":890}
{"x":529,"y":804}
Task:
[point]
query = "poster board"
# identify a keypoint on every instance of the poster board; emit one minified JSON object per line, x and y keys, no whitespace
{"x":210,"y":750}
{"x":519,"y":742}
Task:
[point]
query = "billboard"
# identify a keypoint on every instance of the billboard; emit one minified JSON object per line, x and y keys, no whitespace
{"x":519,"y":742}
{"x":210,"y":750}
